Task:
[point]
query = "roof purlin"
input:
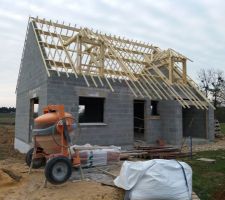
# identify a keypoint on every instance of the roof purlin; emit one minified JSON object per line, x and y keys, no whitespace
{"x":88,"y":53}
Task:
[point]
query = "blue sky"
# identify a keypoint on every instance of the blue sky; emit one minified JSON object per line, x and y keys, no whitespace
{"x":194,"y":28}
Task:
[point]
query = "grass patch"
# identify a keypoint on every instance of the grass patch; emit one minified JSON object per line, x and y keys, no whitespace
{"x":222,"y":127}
{"x":208,"y":178}
{"x":7,"y":118}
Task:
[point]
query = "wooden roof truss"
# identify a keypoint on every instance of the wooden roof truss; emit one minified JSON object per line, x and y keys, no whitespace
{"x":102,"y":59}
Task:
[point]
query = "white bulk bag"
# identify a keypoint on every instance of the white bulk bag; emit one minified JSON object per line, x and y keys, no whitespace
{"x":156,"y":179}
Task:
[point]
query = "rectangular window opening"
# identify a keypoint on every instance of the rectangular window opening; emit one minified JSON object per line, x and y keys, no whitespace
{"x":91,"y":110}
{"x":154,"y":108}
{"x":34,"y":107}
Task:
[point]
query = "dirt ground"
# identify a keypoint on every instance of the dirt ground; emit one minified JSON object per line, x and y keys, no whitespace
{"x":30,"y":186}
{"x":216,"y":145}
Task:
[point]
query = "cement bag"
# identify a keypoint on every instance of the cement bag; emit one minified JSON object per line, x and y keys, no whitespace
{"x":91,"y":158}
{"x":156,"y":180}
{"x":96,"y":155}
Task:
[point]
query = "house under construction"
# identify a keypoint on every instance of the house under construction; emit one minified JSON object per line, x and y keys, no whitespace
{"x":119,"y":90}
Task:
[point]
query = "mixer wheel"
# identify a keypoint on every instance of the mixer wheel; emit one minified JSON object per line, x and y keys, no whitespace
{"x":37,"y":162}
{"x":58,"y":170}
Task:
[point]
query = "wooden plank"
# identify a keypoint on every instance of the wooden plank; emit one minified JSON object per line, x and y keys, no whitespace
{"x":66,"y":52}
{"x":184,"y":75}
{"x":127,"y":41}
{"x":42,"y":56}
{"x":134,"y":62}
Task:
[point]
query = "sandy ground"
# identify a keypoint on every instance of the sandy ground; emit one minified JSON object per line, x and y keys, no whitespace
{"x":30,"y":187}
{"x":216,"y":145}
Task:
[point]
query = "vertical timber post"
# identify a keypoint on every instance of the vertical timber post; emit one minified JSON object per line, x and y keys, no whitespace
{"x":102,"y":53}
{"x":171,"y":69}
{"x":79,"y":56}
{"x":184,"y":74}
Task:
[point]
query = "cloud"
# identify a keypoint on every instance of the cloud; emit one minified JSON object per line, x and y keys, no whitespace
{"x":195,"y":28}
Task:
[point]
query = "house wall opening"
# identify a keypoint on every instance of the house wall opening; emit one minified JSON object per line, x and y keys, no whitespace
{"x":139,"y":121}
{"x":91,"y":110}
{"x":34,"y":108}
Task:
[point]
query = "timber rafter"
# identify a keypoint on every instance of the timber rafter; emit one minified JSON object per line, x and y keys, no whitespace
{"x":103,"y":59}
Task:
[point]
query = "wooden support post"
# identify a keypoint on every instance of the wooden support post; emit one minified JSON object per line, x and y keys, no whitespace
{"x":184,"y":74}
{"x":102,"y":60}
{"x":79,"y":56}
{"x":171,"y":69}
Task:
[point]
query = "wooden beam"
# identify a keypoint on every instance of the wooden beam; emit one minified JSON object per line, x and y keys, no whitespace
{"x":45,"y":44}
{"x":184,"y":74}
{"x":42,"y":56}
{"x":127,"y":41}
{"x":79,"y":54}
{"x":171,"y":63}
{"x":98,"y":55}
{"x":102,"y":59}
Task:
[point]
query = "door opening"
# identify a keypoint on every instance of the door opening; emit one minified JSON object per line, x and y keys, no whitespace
{"x":34,"y":107}
{"x":139,"y":122}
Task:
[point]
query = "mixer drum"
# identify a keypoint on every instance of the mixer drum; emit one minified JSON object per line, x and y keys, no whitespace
{"x":47,"y":128}
{"x":49,"y":119}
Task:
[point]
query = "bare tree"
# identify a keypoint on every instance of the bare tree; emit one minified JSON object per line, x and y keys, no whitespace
{"x":212,"y":83}
{"x":217,"y":87}
{"x":205,"y":77}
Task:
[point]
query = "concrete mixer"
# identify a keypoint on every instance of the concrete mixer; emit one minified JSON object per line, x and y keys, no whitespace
{"x":51,"y":139}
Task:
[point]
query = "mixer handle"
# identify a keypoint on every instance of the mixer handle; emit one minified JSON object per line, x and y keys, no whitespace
{"x":65,"y":132}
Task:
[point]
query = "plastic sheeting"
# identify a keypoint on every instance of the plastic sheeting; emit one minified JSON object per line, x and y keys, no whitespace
{"x":156,"y":179}
{"x":92,"y":156}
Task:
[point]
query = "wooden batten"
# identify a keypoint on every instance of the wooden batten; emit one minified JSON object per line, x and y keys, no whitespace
{"x":147,"y":70}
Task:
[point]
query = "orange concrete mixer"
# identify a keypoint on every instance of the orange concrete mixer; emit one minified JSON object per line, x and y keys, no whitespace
{"x":51,"y":138}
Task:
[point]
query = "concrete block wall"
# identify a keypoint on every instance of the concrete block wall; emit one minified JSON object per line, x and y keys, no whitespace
{"x":155,"y":131}
{"x":171,"y":121}
{"x":22,"y":125}
{"x":210,"y":124}
{"x":32,"y":83}
{"x":118,"y":109}
{"x":153,"y":125}
{"x":194,"y":122}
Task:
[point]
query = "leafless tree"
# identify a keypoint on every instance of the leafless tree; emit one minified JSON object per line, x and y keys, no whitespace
{"x":205,"y":80}
{"x":212,"y":83}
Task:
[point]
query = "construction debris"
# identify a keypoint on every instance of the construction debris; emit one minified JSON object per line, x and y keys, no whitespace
{"x":152,"y":152}
{"x":92,"y":156}
{"x":207,"y":160}
{"x":12,"y":174}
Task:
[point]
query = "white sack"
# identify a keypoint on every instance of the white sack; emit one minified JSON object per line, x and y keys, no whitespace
{"x":156,"y":180}
{"x":94,"y":155}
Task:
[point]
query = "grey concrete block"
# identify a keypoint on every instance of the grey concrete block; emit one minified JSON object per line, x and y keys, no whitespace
{"x":118,"y":105}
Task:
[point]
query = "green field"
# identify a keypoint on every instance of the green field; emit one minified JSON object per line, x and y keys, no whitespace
{"x":209,"y":178}
{"x":7,"y":118}
{"x":222,"y":127}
